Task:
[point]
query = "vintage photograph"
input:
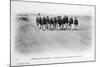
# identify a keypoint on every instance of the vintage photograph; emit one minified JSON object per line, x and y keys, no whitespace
{"x":50,"y":33}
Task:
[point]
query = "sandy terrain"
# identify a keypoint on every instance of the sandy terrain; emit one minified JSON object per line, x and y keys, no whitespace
{"x":30,"y":40}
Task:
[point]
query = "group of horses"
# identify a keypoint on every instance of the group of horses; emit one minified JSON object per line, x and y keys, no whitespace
{"x":57,"y":23}
{"x":54,"y":22}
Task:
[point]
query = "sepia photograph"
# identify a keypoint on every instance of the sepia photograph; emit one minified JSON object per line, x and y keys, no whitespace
{"x":51,"y":33}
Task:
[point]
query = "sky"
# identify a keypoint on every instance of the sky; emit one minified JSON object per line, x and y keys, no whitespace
{"x":55,"y":9}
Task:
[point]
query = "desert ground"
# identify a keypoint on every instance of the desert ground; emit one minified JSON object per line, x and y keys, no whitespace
{"x":29,"y":39}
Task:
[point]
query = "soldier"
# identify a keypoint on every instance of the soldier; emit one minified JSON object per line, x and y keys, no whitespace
{"x":43,"y":23}
{"x":60,"y":22}
{"x":40,"y":22}
{"x":66,"y":19}
{"x":47,"y":22}
{"x":76,"y":23}
{"x":70,"y":23}
{"x":55,"y":22}
{"x":65,"y":22}
{"x":37,"y":21}
{"x":51,"y":23}
{"x":57,"y":25}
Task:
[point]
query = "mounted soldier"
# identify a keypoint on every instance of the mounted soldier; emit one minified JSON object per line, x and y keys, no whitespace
{"x":37,"y":21}
{"x":65,"y":22}
{"x":40,"y":22}
{"x":60,"y":22}
{"x":51,"y":23}
{"x":71,"y":23}
{"x":54,"y":22}
{"x":76,"y":22}
{"x":47,"y":22}
{"x":43,"y":23}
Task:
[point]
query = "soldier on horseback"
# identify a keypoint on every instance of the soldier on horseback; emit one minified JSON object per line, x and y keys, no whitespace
{"x":76,"y":23}
{"x":65,"y":22}
{"x":70,"y":23}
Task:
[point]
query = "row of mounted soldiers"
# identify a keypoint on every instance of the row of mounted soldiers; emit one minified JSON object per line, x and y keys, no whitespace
{"x":57,"y":23}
